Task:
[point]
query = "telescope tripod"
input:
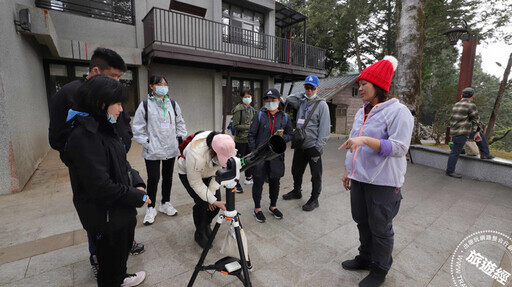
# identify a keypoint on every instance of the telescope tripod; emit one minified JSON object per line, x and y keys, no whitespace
{"x":232,"y":215}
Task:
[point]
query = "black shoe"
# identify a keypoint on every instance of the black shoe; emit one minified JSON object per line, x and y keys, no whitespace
{"x":137,"y":248}
{"x":201,"y":238}
{"x":238,"y":188}
{"x":454,"y":174}
{"x":375,"y":278}
{"x":259,"y":216}
{"x":310,"y":205}
{"x":276,"y":213}
{"x":293,"y":195}
{"x":486,"y":156}
{"x":356,"y":264}
{"x":94,"y":265}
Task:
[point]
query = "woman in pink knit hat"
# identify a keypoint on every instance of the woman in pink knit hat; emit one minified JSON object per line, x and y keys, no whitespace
{"x":375,"y":168}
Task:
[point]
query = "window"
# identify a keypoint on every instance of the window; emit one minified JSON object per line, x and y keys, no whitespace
{"x":355,"y":92}
{"x":243,"y":26}
{"x":59,"y":73}
{"x":238,"y":85}
{"x":111,"y":10}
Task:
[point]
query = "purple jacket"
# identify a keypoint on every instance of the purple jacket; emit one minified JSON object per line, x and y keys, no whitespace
{"x":392,"y":123}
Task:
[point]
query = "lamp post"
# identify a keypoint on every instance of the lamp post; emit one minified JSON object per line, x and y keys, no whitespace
{"x":467,"y":61}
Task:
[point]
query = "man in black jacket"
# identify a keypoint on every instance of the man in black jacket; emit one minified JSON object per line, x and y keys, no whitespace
{"x":103,"y":61}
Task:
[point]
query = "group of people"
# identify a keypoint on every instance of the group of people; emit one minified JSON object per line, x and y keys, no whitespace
{"x":91,"y":130}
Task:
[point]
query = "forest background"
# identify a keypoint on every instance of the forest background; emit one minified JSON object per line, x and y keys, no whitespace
{"x":356,"y":33}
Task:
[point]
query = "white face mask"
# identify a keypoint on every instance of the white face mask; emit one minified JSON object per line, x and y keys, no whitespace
{"x":161,"y":90}
{"x":309,"y":98}
{"x":247,"y":100}
{"x":272,"y":106}
{"x":111,"y":118}
{"x":215,"y":162}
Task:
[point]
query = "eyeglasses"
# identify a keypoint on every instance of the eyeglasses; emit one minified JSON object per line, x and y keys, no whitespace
{"x":309,"y":88}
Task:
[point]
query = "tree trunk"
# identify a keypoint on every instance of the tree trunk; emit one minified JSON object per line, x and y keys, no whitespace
{"x":497,"y":103}
{"x":358,"y":50}
{"x":410,"y":56}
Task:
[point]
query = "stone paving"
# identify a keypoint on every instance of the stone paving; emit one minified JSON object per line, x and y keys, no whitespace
{"x":42,"y":242}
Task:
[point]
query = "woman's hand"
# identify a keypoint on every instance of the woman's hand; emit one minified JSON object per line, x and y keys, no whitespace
{"x":352,"y":143}
{"x":345,"y":180}
{"x":217,"y":204}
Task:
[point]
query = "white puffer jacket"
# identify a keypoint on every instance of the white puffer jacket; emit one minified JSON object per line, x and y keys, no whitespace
{"x":158,"y":141}
{"x":197,"y":164}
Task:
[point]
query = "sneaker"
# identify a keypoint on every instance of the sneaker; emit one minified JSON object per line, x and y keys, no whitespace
{"x":150,"y":216}
{"x":356,"y":264}
{"x":168,"y":209}
{"x":239,"y":189}
{"x":486,"y":156}
{"x":134,"y":279}
{"x":454,"y":174}
{"x":248,"y":180}
{"x":293,"y":195}
{"x":137,"y":248}
{"x":310,"y":205}
{"x":259,"y":216}
{"x":276,"y":213}
{"x":95,"y":266}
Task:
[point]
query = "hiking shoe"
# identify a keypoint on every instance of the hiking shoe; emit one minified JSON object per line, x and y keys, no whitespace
{"x":150,"y":216}
{"x":259,"y":216}
{"x":168,"y":209}
{"x":134,"y":279}
{"x":137,"y":248}
{"x":248,"y":180}
{"x":356,"y":264}
{"x":486,"y":156}
{"x":95,"y":266}
{"x":293,"y":195}
{"x":276,"y":213}
{"x":310,"y":205}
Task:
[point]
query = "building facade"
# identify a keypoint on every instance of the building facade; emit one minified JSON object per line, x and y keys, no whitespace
{"x":209,"y":50}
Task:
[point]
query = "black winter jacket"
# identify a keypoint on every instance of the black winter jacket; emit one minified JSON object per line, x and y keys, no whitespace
{"x":103,"y":182}
{"x":260,"y":132}
{"x":60,"y":104}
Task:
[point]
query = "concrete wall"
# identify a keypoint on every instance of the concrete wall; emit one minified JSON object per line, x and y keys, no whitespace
{"x":23,"y":104}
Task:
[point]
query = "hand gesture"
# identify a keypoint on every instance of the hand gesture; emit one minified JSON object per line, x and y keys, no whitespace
{"x":352,"y":143}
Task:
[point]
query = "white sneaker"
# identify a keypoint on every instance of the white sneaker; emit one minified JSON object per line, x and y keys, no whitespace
{"x":248,"y":181}
{"x":134,"y":279}
{"x":150,"y":216}
{"x":168,"y":209}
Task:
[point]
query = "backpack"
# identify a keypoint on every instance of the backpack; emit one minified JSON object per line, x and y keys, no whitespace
{"x":185,"y":143}
{"x":145,"y":104}
{"x":230,"y":126}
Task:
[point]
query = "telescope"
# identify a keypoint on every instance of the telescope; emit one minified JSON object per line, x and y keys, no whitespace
{"x":228,"y":177}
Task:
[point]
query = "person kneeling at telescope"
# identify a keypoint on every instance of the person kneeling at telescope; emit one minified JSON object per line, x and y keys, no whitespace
{"x":207,"y":153}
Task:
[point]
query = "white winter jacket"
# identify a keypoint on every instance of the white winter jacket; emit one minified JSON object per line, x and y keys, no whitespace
{"x":158,"y":136}
{"x":197,"y":164}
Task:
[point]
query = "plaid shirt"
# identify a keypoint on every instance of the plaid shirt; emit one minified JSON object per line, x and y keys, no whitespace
{"x":464,"y":119}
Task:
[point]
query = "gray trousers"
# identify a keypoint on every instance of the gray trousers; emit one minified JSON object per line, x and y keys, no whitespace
{"x":373,"y":209}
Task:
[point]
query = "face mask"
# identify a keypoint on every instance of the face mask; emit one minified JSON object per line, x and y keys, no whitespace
{"x":272,"y":106}
{"x":111,"y":118}
{"x":161,"y":90}
{"x":247,"y":100}
{"x":215,"y":162}
{"x":309,"y":98}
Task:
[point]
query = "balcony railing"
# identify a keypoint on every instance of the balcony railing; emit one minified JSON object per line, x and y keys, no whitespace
{"x":173,"y":28}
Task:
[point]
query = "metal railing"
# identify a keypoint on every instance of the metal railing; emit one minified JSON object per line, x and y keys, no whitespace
{"x":111,"y":10}
{"x":174,"y":28}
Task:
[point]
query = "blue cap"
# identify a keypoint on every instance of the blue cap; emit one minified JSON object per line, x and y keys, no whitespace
{"x":312,"y":80}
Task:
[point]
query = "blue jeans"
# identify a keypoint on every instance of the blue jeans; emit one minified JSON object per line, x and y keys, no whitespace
{"x":458,"y":145}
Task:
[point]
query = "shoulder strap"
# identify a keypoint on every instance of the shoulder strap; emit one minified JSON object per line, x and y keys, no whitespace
{"x":310,"y":114}
{"x":259,"y":116}
{"x":173,"y":103}
{"x":240,"y":119}
{"x":145,"y":104}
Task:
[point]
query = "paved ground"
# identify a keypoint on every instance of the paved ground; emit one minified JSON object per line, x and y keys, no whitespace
{"x":42,"y":243}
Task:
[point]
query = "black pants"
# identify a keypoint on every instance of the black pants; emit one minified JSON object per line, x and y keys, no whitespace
{"x":153,"y":170}
{"x":202,"y":215}
{"x":243,"y":150}
{"x":112,"y":251}
{"x":373,"y":209}
{"x":301,"y":158}
{"x":257,"y":189}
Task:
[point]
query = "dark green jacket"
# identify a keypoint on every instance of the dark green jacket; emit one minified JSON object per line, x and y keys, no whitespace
{"x":242,"y":122}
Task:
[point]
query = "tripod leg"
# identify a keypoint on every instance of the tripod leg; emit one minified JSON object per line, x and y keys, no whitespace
{"x":203,"y":255}
{"x":247,"y":280}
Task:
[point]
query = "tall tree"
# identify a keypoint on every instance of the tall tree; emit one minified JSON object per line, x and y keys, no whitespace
{"x":410,"y":51}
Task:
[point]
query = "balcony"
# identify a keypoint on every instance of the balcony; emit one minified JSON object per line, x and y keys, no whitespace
{"x":178,"y":36}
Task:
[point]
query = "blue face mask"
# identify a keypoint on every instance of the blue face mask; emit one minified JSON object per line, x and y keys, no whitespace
{"x":272,"y":106}
{"x":161,"y":90}
{"x":215,"y":162}
{"x":111,"y":118}
{"x":247,"y":100}
{"x":309,"y":98}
